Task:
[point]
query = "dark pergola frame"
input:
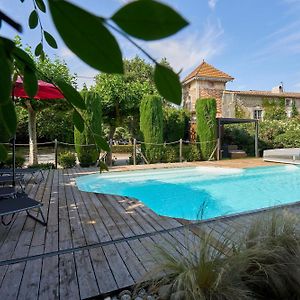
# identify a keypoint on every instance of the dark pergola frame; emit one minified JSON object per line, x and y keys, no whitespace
{"x":223,"y":121}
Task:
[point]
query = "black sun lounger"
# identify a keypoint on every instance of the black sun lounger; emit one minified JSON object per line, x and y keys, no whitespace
{"x":8,"y":179}
{"x":21,"y":172}
{"x":18,"y":203}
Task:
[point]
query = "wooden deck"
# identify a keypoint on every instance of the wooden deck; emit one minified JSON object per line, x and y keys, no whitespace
{"x":93,"y":244}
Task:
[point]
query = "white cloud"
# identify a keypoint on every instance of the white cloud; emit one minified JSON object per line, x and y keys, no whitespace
{"x":188,"y":51}
{"x":66,"y":53}
{"x":212,"y":3}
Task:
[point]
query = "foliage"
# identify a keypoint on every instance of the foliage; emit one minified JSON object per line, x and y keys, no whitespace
{"x":121,"y":95}
{"x":274,"y":109}
{"x":170,"y":154}
{"x":122,"y":148}
{"x":139,"y":159}
{"x":88,"y":155}
{"x":67,"y":159}
{"x":190,"y":152}
{"x":151,"y":126}
{"x":102,"y":167}
{"x":175,"y":123}
{"x":261,"y":262}
{"x":43,"y":166}
{"x":295,"y":112}
{"x":240,"y":112}
{"x":135,"y":19}
{"x":206,"y":126}
{"x":272,"y":134}
{"x":8,"y":162}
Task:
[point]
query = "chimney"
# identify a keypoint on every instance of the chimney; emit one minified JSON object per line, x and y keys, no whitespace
{"x":278,"y":89}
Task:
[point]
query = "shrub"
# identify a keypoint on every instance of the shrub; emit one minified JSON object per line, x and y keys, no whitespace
{"x":67,"y":159}
{"x":122,"y":148}
{"x":87,"y":157}
{"x":274,"y":109}
{"x":139,"y":159}
{"x":190,"y":153}
{"x":170,"y":154}
{"x":93,"y":124}
{"x":8,"y":163}
{"x":262,"y":262}
{"x":43,"y":166}
{"x":151,"y":125}
{"x":206,"y":129}
{"x":176,"y":122}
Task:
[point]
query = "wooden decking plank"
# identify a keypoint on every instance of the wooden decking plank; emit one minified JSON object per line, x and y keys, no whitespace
{"x":78,"y":237}
{"x":64,"y":231}
{"x":132,"y":208}
{"x":40,"y":231}
{"x":49,"y":284}
{"x":117,"y":266}
{"x":87,"y":282}
{"x":29,"y":286}
{"x":10,"y":285}
{"x":136,"y":269}
{"x":118,"y":220}
{"x":88,"y":227}
{"x":95,"y":218}
{"x":131,"y":221}
{"x":143,"y":254}
{"x":68,"y":284}
{"x":105,"y":278}
{"x":51,"y":238}
{"x":109,"y":223}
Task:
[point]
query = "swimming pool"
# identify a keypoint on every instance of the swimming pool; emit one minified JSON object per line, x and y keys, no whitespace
{"x":201,"y":192}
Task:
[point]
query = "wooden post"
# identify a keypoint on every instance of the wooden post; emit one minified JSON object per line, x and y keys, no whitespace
{"x":55,"y":153}
{"x":219,"y":156}
{"x":218,"y":149}
{"x":256,"y":139}
{"x":110,"y":152}
{"x":180,"y":150}
{"x":134,"y":151}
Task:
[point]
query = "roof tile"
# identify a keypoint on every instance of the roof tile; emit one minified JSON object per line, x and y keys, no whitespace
{"x":207,"y":70}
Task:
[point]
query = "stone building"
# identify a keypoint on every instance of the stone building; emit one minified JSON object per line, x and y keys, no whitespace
{"x":251,"y":103}
{"x":208,"y":82}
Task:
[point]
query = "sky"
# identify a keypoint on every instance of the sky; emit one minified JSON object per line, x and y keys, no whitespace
{"x":255,"y":41}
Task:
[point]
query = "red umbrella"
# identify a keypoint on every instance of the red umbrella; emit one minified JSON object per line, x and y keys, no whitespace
{"x":45,"y":90}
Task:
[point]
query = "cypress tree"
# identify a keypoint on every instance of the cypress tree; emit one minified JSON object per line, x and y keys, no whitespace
{"x":206,"y":126}
{"x":88,"y":155}
{"x":151,"y":126}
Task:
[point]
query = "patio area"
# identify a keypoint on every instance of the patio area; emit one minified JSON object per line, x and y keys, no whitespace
{"x":93,"y":244}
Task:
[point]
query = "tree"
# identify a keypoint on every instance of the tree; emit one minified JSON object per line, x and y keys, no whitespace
{"x":175,"y":123}
{"x":93,"y":119}
{"x":274,"y":109}
{"x":206,"y":110}
{"x":151,"y":125}
{"x":121,"y":95}
{"x":295,"y":112}
{"x":47,"y":70}
{"x":103,"y":54}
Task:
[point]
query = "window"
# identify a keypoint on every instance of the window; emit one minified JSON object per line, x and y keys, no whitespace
{"x":288,"y":102}
{"x":257,"y":114}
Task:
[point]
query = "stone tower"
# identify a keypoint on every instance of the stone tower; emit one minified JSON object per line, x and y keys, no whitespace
{"x":204,"y":82}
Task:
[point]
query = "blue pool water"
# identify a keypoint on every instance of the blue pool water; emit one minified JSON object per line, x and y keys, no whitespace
{"x":201,"y":192}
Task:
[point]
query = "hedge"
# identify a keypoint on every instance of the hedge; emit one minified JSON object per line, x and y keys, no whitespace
{"x":88,"y":155}
{"x":151,"y":126}
{"x":206,"y":128}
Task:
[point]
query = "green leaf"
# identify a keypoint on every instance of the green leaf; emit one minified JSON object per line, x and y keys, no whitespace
{"x":33,"y":19}
{"x":30,"y":82}
{"x":41,"y":5}
{"x":38,"y":49}
{"x":50,"y":40}
{"x":87,"y":37}
{"x":78,"y":121}
{"x":3,"y":153}
{"x":168,"y":84}
{"x":101,"y":142}
{"x":5,"y":74}
{"x":23,"y":58}
{"x":71,"y":94}
{"x":149,"y":20}
{"x":8,"y":118}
